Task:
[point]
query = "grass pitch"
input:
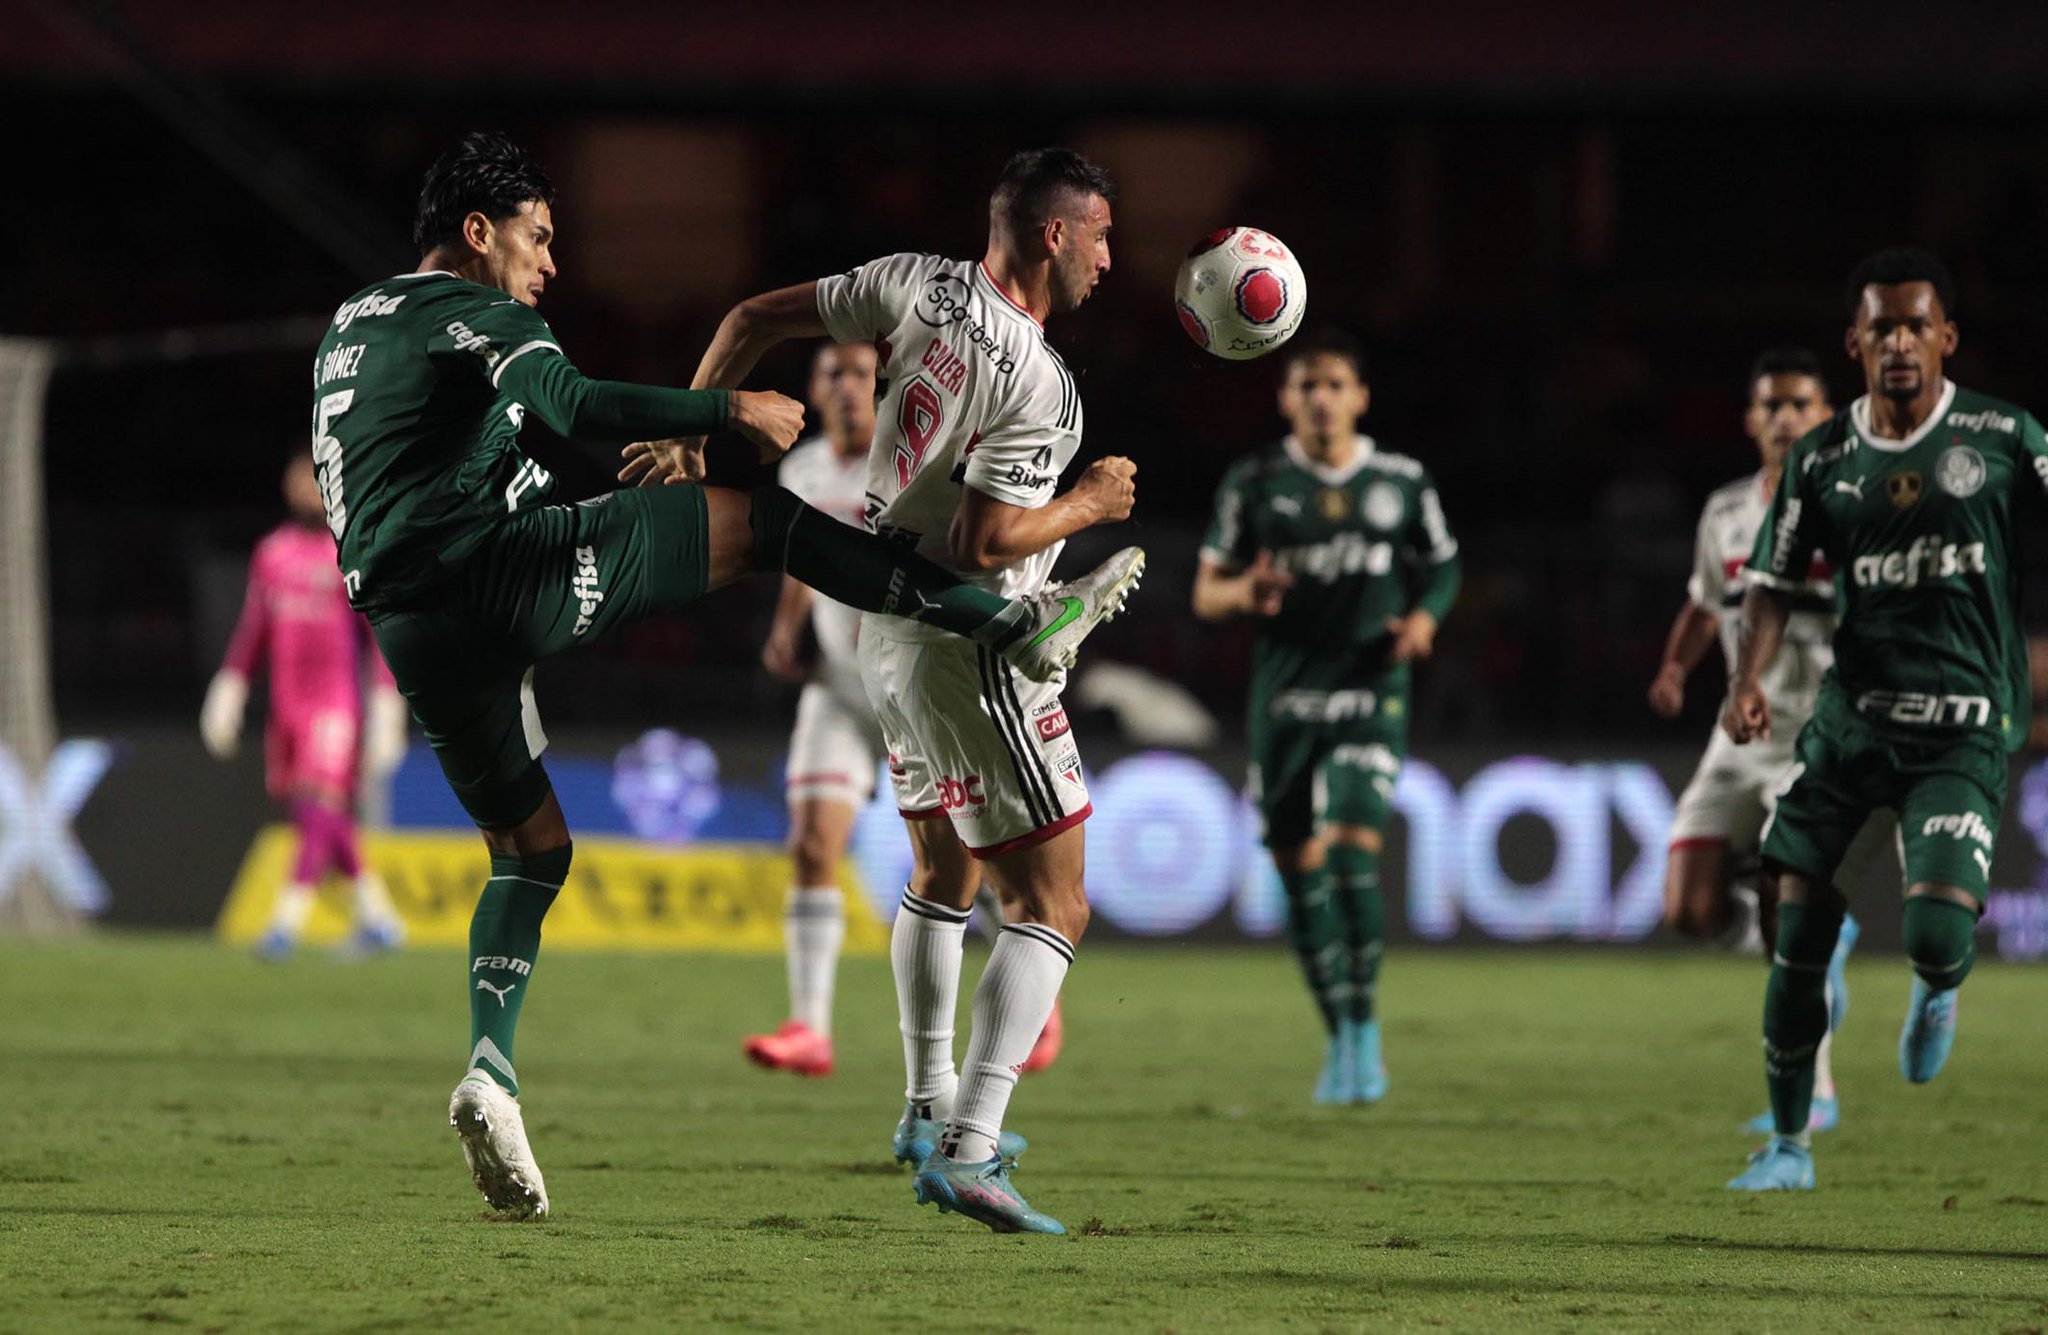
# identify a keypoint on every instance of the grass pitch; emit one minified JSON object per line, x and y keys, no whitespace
{"x":188,"y":1137}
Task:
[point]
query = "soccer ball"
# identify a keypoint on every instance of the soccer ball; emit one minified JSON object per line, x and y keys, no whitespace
{"x":1240,"y":293}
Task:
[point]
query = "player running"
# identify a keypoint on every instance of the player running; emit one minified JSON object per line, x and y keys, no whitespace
{"x":837,"y":744}
{"x":326,"y":682}
{"x":420,"y":387}
{"x":980,"y":419}
{"x":1341,"y":550}
{"x":1711,"y":868}
{"x":1913,"y":494}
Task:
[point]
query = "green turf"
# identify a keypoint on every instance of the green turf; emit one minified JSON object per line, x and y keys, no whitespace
{"x":188,"y":1137}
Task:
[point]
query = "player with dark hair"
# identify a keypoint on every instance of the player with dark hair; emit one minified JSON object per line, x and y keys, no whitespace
{"x":1340,"y":549}
{"x":1915,"y":494}
{"x":1711,"y":869}
{"x":980,"y":419}
{"x":420,"y":387}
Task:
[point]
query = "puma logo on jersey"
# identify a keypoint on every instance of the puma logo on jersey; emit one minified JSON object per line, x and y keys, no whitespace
{"x":1853,"y":488}
{"x":368,"y":306}
{"x":1286,"y":505}
{"x":1928,"y":558}
{"x":499,"y":992}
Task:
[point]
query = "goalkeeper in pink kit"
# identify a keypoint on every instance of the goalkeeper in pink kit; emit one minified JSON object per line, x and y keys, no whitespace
{"x":329,"y":689}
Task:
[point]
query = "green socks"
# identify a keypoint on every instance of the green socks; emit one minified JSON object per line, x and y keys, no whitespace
{"x":1796,"y":1010}
{"x":1941,"y":940}
{"x":1362,"y":915}
{"x":1317,"y":937}
{"x":876,"y":574}
{"x":504,"y":940}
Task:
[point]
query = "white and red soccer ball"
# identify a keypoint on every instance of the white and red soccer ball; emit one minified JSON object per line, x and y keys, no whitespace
{"x":1240,"y":293}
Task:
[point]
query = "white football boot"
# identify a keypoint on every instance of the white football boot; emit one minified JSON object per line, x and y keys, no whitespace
{"x":1067,"y":612}
{"x":494,"y":1143}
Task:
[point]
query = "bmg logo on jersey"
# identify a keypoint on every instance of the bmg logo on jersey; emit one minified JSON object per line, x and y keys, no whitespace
{"x":961,"y":794}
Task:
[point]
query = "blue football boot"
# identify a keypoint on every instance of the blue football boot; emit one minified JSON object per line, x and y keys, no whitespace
{"x":1826,"y":1115}
{"x":982,"y":1192}
{"x":1929,"y":1033}
{"x":1783,"y":1164}
{"x":1339,"y":1079}
{"x":1369,"y":1072}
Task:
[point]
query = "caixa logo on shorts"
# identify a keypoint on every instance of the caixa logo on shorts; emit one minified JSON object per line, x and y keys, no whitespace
{"x":1913,"y":707}
{"x":585,"y":588}
{"x":961,"y":794}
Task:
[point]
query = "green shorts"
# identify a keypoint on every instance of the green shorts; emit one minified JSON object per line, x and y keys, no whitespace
{"x":1326,"y":758}
{"x":1948,"y":789}
{"x":548,"y":579}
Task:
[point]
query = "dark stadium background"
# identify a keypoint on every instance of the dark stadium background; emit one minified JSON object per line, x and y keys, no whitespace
{"x":1562,"y":242}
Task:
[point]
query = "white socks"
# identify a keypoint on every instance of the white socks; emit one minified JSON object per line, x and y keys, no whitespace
{"x":294,"y":905}
{"x":813,"y":929}
{"x":924,"y":952}
{"x":373,"y":900}
{"x":1011,"y":1007}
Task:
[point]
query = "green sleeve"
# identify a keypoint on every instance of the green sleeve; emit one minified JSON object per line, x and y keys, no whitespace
{"x":1230,"y":542}
{"x":609,"y":410}
{"x":2035,"y":443}
{"x":1434,"y":546}
{"x":1789,"y":535}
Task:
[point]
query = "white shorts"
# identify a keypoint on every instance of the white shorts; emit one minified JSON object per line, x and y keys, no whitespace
{"x":970,"y":738}
{"x":1733,"y":790}
{"x":834,"y":750}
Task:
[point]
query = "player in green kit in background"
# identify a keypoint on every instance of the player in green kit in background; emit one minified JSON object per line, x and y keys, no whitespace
{"x":1341,"y":550}
{"x":1915,"y":494}
{"x":469,"y":578}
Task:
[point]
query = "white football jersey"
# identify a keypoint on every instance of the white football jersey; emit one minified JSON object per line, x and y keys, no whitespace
{"x":976,"y":398}
{"x":821,"y":479}
{"x":1727,"y":535}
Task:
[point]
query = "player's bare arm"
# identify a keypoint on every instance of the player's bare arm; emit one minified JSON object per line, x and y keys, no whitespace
{"x":747,"y":331}
{"x":1257,"y":590}
{"x":1747,"y":715}
{"x":783,"y":655}
{"x":1414,"y":635}
{"x":988,"y":534}
{"x":1692,"y":630}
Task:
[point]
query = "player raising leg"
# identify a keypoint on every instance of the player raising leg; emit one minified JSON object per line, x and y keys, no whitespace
{"x":1913,"y":493}
{"x":297,"y":625}
{"x":980,"y":420}
{"x":1340,"y":549}
{"x":421,"y":384}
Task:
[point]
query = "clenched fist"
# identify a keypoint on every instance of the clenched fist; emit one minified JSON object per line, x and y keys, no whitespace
{"x":1109,"y":488}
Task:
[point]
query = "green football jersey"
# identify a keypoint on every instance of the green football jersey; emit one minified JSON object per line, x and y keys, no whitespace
{"x":1364,"y":542}
{"x":415,"y":447}
{"x":1923,"y":536}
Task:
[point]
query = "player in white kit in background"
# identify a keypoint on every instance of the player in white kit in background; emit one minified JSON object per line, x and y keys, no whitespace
{"x":979,"y":420}
{"x":837,"y":744}
{"x":1711,"y":867}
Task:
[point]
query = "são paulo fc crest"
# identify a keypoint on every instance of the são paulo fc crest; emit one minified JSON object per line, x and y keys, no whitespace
{"x":1960,"y":471}
{"x":1383,"y":505}
{"x":1333,"y":503}
{"x":1903,"y":488}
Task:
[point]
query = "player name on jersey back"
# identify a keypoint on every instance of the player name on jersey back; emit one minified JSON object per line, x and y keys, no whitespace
{"x":976,"y":398}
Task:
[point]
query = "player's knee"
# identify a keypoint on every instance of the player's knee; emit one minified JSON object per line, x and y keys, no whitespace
{"x":772,"y":514}
{"x":1940,"y":937}
{"x":814,"y":854}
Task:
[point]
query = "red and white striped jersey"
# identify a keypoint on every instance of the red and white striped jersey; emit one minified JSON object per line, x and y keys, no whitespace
{"x":1727,"y":534}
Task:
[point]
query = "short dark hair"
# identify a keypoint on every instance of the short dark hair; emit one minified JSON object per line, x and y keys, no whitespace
{"x":1901,"y":264}
{"x":1786,"y":360}
{"x":1330,"y":343}
{"x":486,"y":173}
{"x":1032,"y":181}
